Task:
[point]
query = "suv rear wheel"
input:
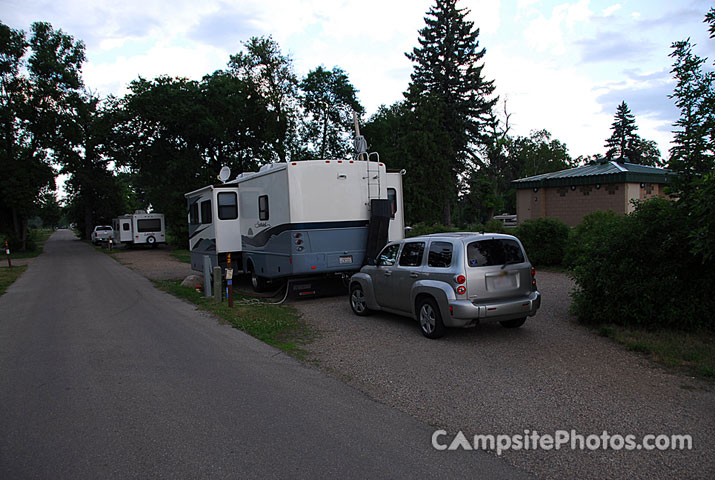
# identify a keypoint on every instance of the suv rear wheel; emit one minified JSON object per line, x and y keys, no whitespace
{"x":516,"y":323}
{"x":430,"y":319}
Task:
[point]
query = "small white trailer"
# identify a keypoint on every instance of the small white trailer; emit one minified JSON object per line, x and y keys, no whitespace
{"x":297,"y":218}
{"x":140,"y":228}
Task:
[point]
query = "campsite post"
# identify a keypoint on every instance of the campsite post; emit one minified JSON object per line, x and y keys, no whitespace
{"x":229,"y":282}
{"x":7,"y":252}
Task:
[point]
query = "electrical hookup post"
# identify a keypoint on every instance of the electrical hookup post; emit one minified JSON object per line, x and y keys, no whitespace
{"x":229,"y":282}
{"x":7,"y":252}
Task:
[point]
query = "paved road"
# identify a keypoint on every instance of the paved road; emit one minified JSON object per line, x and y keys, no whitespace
{"x":103,"y":376}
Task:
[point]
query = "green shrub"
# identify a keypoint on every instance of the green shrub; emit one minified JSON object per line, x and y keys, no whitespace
{"x":544,"y":240}
{"x":494,"y":226}
{"x":15,"y":243}
{"x":637,"y":270}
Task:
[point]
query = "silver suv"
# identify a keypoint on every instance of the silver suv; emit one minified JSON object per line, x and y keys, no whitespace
{"x":449,"y":280}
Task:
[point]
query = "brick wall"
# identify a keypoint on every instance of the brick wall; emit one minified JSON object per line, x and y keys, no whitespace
{"x":571,"y":205}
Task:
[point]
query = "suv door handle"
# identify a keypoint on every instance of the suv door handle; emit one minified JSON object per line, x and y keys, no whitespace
{"x":388,"y":273}
{"x":414,"y":274}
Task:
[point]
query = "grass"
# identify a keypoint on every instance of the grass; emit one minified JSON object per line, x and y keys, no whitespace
{"x":693,"y":353}
{"x":9,"y":275}
{"x":276,"y":325}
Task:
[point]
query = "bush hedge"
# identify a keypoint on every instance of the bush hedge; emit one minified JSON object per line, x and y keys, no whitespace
{"x":637,"y":270}
{"x":544,"y":240}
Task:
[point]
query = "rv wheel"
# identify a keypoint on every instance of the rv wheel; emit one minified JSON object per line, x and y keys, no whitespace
{"x":259,"y":284}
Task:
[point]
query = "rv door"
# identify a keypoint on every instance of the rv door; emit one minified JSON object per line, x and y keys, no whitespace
{"x":394,"y":195}
{"x":228,"y":228}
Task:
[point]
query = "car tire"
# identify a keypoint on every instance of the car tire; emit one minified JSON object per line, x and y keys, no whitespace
{"x":358,"y":302}
{"x":516,"y":323}
{"x":258,"y":283}
{"x":429,"y":318}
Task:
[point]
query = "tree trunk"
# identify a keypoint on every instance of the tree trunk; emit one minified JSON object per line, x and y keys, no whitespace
{"x":447,"y":214}
{"x":325,"y":135}
{"x":88,"y":221}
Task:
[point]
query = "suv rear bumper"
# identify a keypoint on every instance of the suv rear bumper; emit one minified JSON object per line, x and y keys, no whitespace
{"x":464,"y":313}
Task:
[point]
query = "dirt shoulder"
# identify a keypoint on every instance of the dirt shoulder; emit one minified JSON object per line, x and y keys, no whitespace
{"x":153,"y":263}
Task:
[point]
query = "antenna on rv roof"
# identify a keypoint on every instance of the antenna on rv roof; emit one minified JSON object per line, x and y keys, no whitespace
{"x":224,"y":174}
{"x":360,"y":142}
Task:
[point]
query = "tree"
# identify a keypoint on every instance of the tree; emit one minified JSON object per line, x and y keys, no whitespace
{"x":329,"y":100}
{"x":448,"y":74}
{"x":39,"y":98}
{"x":94,"y":193}
{"x":620,"y":144}
{"x":271,"y":75}
{"x":625,"y":143}
{"x":692,"y":153}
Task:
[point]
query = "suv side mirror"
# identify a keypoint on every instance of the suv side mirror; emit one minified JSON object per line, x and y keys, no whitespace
{"x":372,"y":261}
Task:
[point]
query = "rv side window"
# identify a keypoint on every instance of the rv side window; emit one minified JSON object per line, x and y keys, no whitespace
{"x":149,"y":225}
{"x":392,"y":197}
{"x":263,"y":207}
{"x":206,"y":211}
{"x":125,"y":227}
{"x":194,"y":213}
{"x":227,"y":206}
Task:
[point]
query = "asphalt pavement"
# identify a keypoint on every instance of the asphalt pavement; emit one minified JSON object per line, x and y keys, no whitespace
{"x":104,"y":376}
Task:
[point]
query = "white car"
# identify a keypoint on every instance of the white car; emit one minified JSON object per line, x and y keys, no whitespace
{"x":101,"y":233}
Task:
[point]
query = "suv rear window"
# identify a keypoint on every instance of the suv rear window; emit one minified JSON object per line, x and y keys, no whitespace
{"x":440,"y":254}
{"x":498,"y":251}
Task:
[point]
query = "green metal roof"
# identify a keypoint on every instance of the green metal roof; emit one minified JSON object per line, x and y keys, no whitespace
{"x":602,"y":172}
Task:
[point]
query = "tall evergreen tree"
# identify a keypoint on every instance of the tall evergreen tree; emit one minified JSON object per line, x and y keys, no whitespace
{"x":623,"y":128}
{"x":693,"y":151}
{"x":448,"y":74}
{"x":625,"y":143}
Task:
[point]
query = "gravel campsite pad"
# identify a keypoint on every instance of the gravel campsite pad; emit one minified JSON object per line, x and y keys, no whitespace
{"x":549,"y":375}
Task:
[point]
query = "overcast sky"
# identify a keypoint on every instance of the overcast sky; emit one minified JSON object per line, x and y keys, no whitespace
{"x":562,"y":65}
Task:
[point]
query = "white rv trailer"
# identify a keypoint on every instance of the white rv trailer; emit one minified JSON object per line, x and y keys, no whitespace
{"x":296,"y":218}
{"x":140,"y":228}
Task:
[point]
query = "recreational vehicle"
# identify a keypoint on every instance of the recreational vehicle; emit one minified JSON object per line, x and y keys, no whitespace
{"x":297,"y":218}
{"x":140,"y":228}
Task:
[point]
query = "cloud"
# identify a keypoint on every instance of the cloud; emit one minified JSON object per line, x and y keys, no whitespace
{"x":553,"y":33}
{"x":225,"y":29}
{"x":645,"y":93}
{"x":613,"y":47}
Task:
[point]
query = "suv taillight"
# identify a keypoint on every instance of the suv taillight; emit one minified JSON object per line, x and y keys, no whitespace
{"x":461,"y":279}
{"x":533,"y":277}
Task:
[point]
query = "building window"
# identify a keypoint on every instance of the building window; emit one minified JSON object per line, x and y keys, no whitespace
{"x":227,"y":206}
{"x":263,"y":212}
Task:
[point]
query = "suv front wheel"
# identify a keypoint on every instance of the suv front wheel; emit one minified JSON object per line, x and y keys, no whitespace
{"x":358,"y":302}
{"x":430,"y":319}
